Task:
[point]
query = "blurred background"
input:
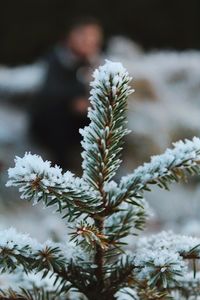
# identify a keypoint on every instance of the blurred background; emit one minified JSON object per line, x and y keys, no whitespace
{"x":48,"y":51}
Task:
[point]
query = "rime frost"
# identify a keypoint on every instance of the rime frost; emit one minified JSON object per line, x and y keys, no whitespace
{"x":110,"y":89}
{"x":31,"y":166}
{"x":31,"y":170}
{"x":184,"y":152}
{"x":113,"y":75}
{"x":170,"y":241}
{"x":164,"y":252}
{"x":18,"y":242}
{"x":12,"y":240}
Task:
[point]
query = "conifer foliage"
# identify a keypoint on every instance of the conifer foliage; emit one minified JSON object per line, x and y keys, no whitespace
{"x":102,"y":213}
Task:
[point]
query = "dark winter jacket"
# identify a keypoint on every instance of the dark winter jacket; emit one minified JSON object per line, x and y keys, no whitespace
{"x":54,"y":123}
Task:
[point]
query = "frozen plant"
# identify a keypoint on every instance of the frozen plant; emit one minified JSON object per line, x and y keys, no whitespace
{"x":102,"y":213}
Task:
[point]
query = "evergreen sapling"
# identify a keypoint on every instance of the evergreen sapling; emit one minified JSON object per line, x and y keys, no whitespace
{"x":95,"y":264}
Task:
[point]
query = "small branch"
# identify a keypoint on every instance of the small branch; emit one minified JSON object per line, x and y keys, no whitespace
{"x":99,"y":260}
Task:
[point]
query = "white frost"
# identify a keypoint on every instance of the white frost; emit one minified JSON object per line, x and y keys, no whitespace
{"x":32,"y":168}
{"x":183,"y":151}
{"x":164,"y":252}
{"x":12,"y":240}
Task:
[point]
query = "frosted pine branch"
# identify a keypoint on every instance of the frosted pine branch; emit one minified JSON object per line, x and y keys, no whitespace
{"x":127,"y":221}
{"x":38,"y":180}
{"x":88,"y":236}
{"x":19,"y":250}
{"x":161,"y":170}
{"x":162,"y":258}
{"x":102,"y":139}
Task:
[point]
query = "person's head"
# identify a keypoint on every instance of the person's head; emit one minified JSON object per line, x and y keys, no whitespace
{"x":85,"y":37}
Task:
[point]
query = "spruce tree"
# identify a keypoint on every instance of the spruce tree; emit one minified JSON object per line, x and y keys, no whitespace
{"x":101,"y":214}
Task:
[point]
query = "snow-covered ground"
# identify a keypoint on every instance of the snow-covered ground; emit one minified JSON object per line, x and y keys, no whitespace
{"x":22,"y":78}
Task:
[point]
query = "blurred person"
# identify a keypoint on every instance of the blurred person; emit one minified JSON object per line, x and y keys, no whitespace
{"x":60,"y":106}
